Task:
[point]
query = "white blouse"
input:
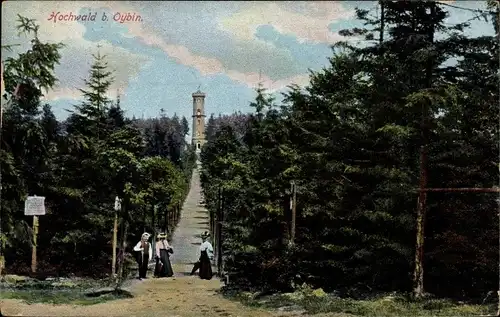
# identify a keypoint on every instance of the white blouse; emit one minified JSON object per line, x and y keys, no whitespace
{"x":138,"y":248}
{"x":206,"y":246}
{"x":161,"y":245}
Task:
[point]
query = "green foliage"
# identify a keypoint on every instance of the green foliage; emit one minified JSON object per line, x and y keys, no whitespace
{"x":350,"y":140}
{"x":60,"y":292}
{"x":80,"y":165}
{"x":316,"y":302}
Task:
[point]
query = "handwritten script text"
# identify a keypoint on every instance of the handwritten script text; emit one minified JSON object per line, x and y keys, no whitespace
{"x":120,"y":17}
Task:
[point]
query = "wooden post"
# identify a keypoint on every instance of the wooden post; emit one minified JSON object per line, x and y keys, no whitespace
{"x":179,"y":210}
{"x":211,"y":224}
{"x":214,"y":214}
{"x":144,"y":217}
{"x":115,"y":237}
{"x":293,"y":202}
{"x":219,"y":234}
{"x":153,"y":209}
{"x":153,"y":234}
{"x":216,"y":227}
{"x":167,"y":222}
{"x":33,"y":251}
{"x":123,"y":247}
{"x":174,"y":215}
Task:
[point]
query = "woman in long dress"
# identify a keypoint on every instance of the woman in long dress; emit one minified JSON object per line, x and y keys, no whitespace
{"x":163,"y":266}
{"x":145,"y":254}
{"x":206,"y":255}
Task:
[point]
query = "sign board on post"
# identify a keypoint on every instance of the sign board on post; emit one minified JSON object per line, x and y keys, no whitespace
{"x":34,"y":206}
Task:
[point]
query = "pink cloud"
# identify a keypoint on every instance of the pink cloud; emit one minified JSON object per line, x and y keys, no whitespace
{"x":205,"y":65}
{"x":72,"y":33}
{"x":311,"y":24}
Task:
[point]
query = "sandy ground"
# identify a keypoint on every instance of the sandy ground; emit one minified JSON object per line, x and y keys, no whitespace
{"x":186,"y":296}
{"x":178,"y":296}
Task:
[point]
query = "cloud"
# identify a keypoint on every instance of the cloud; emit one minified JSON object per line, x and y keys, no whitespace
{"x":63,"y":93}
{"x":204,"y":65}
{"x":254,"y":79}
{"x":41,"y":11}
{"x":209,"y":66}
{"x":123,"y":65}
{"x":76,"y":56}
{"x":308,"y":21}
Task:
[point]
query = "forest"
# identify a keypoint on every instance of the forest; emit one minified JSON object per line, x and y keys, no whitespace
{"x":415,"y":106}
{"x":322,"y":189}
{"x":80,"y":165}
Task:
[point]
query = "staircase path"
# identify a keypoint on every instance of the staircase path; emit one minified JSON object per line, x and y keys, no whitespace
{"x":193,"y":222}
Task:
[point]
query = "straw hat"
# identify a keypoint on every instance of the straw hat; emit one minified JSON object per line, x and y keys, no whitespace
{"x":162,"y":235}
{"x":205,"y":235}
{"x":146,"y":235}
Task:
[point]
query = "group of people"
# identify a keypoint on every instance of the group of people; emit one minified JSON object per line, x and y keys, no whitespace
{"x":163,"y":250}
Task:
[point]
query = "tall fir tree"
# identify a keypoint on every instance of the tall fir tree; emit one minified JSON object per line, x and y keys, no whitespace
{"x":89,"y":118}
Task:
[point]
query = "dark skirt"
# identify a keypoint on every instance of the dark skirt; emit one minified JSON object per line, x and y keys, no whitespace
{"x":205,"y":266}
{"x":163,"y":266}
{"x":142,"y":261}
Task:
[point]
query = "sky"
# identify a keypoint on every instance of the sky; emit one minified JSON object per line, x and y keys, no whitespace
{"x":168,"y":49}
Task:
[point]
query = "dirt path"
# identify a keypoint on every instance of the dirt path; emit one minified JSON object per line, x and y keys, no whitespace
{"x":178,"y":296}
{"x":193,"y":222}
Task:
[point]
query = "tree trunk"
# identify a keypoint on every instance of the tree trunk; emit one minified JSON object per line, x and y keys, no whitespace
{"x":144,"y":217}
{"x":418,"y":278}
{"x":166,"y":220}
{"x":153,"y":218}
{"x":382,"y":22}
{"x":497,"y":31}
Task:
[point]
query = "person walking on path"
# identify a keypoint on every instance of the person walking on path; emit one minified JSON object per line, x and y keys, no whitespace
{"x":206,"y":255}
{"x":145,"y":254}
{"x":163,"y":266}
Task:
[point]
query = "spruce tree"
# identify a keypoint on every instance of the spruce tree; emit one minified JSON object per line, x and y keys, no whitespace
{"x":89,"y":118}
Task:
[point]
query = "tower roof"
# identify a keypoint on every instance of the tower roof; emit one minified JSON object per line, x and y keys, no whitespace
{"x":198,"y":93}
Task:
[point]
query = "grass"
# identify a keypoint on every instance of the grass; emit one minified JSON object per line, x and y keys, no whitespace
{"x":58,"y":297}
{"x":381,"y":306}
{"x":68,"y":292}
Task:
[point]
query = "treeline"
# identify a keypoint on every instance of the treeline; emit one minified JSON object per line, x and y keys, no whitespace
{"x":353,"y":143}
{"x":238,"y":120}
{"x":80,"y":166}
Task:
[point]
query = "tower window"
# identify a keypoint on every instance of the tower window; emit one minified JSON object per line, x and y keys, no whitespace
{"x":198,"y":133}
{"x":199,"y":121}
{"x":199,"y":146}
{"x":198,"y":112}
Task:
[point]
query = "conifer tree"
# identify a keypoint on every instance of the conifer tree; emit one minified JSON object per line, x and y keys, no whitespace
{"x":89,"y":118}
